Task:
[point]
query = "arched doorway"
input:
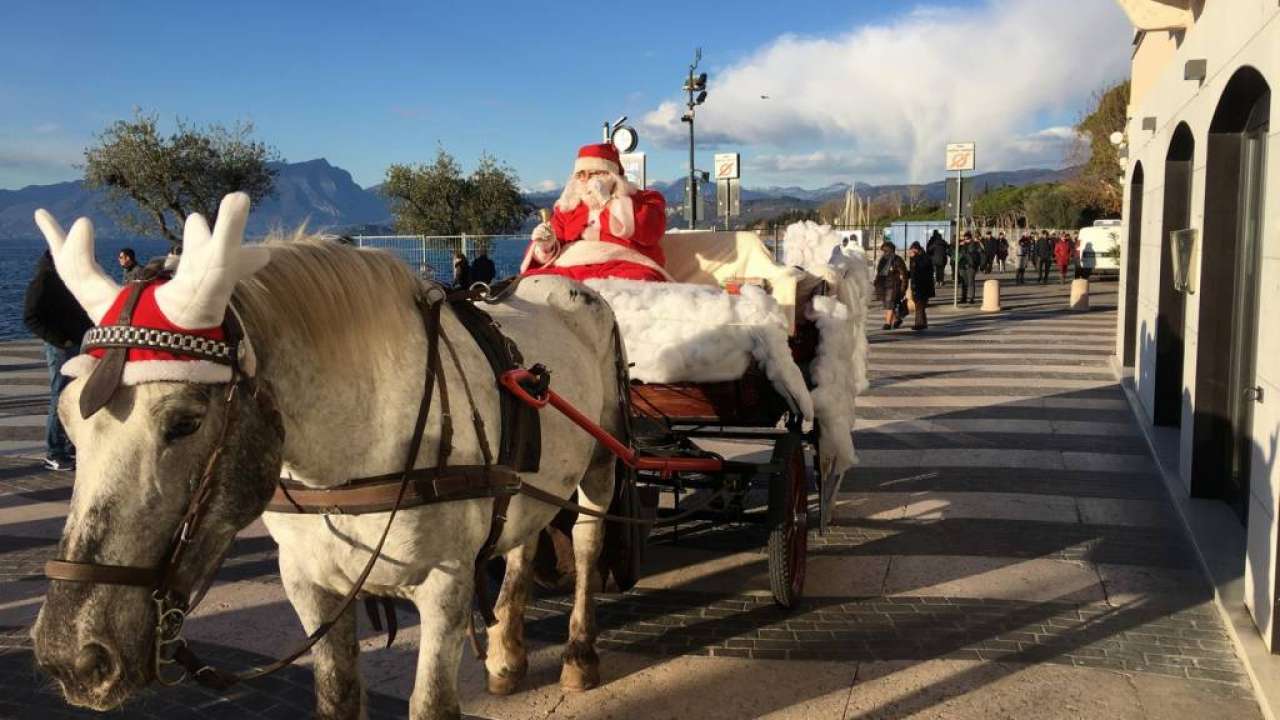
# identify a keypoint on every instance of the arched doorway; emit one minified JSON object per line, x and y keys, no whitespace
{"x":1231,"y":259}
{"x":1132,"y":262}
{"x":1170,"y":338}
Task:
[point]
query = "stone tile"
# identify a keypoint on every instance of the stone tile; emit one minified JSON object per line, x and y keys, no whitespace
{"x":963,"y":690}
{"x":717,"y":573}
{"x":1110,"y":511}
{"x":988,"y":506}
{"x":963,"y":457}
{"x":1110,"y":463}
{"x":993,"y":578}
{"x":1134,"y":583}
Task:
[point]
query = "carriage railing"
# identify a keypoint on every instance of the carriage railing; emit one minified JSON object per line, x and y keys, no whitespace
{"x":432,"y":255}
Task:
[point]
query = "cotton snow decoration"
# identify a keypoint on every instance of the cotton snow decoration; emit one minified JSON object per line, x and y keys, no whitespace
{"x":839,"y":372}
{"x":679,"y":332}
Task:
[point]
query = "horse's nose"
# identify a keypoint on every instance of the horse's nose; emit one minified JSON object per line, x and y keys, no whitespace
{"x":96,"y":666}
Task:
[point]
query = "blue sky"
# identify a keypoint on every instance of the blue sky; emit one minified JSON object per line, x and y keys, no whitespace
{"x":858,"y":90}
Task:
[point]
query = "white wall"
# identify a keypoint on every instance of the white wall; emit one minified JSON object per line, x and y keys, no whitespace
{"x":1229,"y":34}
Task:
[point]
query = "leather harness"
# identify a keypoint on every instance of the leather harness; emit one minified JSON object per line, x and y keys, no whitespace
{"x":430,"y":485}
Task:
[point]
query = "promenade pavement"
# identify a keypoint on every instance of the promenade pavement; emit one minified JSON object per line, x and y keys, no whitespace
{"x":1004,"y":549}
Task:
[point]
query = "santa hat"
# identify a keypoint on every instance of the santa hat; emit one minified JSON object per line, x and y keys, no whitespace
{"x":598,"y":157}
{"x":167,"y":330}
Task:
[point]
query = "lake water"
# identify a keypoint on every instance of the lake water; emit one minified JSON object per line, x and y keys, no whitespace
{"x":18,"y":260}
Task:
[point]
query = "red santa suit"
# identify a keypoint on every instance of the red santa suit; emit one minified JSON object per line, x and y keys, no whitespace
{"x":620,"y":238}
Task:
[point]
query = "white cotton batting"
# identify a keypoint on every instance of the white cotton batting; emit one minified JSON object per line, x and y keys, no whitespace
{"x":680,"y":332}
{"x":839,"y":371}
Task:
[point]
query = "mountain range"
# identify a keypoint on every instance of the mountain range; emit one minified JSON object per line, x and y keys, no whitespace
{"x":326,"y":197}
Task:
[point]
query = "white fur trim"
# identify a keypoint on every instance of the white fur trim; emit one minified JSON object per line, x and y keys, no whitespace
{"x":591,"y":233}
{"x":622,"y":217}
{"x":594,"y":253}
{"x":137,"y":373}
{"x":593,"y":163}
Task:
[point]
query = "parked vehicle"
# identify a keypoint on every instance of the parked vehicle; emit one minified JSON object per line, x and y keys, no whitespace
{"x":1100,"y":248}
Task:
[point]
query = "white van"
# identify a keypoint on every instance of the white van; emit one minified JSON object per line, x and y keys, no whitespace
{"x":1100,"y":248}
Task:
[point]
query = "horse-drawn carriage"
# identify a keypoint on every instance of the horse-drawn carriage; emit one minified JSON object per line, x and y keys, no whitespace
{"x":703,"y":395}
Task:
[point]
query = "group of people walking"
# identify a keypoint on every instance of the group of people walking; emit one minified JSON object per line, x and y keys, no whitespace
{"x":1043,"y":251}
{"x":903,"y":283}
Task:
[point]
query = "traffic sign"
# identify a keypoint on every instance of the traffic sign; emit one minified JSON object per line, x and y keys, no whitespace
{"x":961,"y":157}
{"x":727,"y":166}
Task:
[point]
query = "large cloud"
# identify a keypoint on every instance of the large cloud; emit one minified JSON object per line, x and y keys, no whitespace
{"x":997,"y":74}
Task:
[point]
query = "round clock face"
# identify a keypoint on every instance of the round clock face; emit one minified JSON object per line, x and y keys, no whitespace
{"x":625,"y":139}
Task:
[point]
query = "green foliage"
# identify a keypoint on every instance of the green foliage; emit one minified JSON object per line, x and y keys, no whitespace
{"x":436,"y":199}
{"x":1052,"y":206}
{"x":1098,"y":184}
{"x":153,"y":182}
{"x":1003,"y":206}
{"x":932,"y":212}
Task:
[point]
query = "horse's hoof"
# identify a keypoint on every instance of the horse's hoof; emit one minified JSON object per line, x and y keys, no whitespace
{"x":506,"y":684}
{"x":579,"y":678}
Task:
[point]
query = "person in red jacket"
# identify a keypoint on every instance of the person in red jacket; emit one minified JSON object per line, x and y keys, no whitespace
{"x":602,"y":225}
{"x":1062,"y":253}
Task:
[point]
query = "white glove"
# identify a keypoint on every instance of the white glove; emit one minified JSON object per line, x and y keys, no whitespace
{"x":597,"y":192}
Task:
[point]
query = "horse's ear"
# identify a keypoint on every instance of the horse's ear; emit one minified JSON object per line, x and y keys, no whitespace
{"x":212,"y":263}
{"x":80,"y":272}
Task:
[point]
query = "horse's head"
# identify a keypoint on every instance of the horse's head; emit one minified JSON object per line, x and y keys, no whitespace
{"x":156,"y":437}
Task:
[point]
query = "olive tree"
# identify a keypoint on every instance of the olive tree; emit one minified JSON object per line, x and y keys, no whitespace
{"x":436,"y":199}
{"x":154,"y":182}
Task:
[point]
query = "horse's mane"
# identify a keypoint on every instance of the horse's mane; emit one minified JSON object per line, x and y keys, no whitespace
{"x":344,"y":304}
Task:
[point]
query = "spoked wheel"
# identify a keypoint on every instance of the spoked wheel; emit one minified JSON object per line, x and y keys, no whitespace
{"x":788,"y":521}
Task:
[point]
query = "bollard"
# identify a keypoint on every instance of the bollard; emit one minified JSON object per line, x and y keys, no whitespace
{"x":991,"y":296}
{"x":1079,"y":295}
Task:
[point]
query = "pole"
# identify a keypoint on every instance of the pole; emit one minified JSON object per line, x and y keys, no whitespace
{"x":955,"y":243}
{"x":693,"y":183}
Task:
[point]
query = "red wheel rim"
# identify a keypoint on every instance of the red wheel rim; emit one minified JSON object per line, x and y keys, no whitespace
{"x":798,"y":522}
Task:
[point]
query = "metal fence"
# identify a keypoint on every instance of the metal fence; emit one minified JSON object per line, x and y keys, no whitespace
{"x":431,"y":256}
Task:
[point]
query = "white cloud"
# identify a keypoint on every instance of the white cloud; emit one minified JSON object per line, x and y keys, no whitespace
{"x":889,"y":96}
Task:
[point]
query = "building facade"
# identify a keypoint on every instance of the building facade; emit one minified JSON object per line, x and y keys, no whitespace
{"x":1203,"y":153}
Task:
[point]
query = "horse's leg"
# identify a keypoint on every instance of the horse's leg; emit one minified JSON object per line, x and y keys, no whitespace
{"x":581,"y":669}
{"x":507,"y":662}
{"x":444,"y":601}
{"x":339,"y":692}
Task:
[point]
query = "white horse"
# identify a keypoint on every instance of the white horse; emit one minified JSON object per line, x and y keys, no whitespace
{"x":339,"y":341}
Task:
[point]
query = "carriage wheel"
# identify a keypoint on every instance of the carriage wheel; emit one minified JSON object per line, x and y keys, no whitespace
{"x":788,"y":521}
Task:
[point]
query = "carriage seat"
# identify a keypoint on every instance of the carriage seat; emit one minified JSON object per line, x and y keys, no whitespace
{"x":708,"y":257}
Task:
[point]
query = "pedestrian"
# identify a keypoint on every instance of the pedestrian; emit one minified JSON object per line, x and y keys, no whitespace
{"x":53,"y":315}
{"x":1026,"y":254}
{"x":1002,"y":251}
{"x":891,"y":284}
{"x":1044,"y":255}
{"x":967,"y":268}
{"x":482,"y":269}
{"x":1062,"y":252}
{"x":921,"y":272}
{"x":461,"y":270}
{"x":988,"y":252}
{"x":938,"y":252}
{"x":129,"y":264}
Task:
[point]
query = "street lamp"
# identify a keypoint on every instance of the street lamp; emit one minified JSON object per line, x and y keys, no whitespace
{"x":694,"y":84}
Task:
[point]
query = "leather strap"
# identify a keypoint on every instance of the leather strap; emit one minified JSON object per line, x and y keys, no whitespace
{"x":220,"y":680}
{"x":378,"y":494}
{"x":105,"y":379}
{"x":108,"y":574}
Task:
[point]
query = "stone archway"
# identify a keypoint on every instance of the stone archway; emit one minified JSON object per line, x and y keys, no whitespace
{"x":1231,"y":258}
{"x":1132,"y":265}
{"x":1171,"y":315}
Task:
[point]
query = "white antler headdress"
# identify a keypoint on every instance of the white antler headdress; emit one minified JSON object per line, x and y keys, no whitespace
{"x":80,"y":272}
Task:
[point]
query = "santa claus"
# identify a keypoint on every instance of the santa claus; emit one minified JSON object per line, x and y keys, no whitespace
{"x":602,"y":225}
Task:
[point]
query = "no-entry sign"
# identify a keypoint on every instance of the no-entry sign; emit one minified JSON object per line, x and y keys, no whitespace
{"x":961,"y":157}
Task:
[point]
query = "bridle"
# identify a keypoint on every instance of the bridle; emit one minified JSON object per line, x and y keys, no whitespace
{"x":172,"y":601}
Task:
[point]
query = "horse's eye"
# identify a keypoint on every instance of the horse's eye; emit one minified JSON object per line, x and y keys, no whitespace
{"x":180,"y":427}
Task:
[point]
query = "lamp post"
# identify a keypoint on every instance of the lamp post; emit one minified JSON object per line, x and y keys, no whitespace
{"x":694,"y":84}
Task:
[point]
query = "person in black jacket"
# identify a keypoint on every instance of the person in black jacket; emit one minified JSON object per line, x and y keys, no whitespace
{"x":482,"y":270}
{"x":938,"y":252}
{"x":53,"y":315}
{"x":1044,"y":255}
{"x":461,"y":270}
{"x":921,"y":271}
